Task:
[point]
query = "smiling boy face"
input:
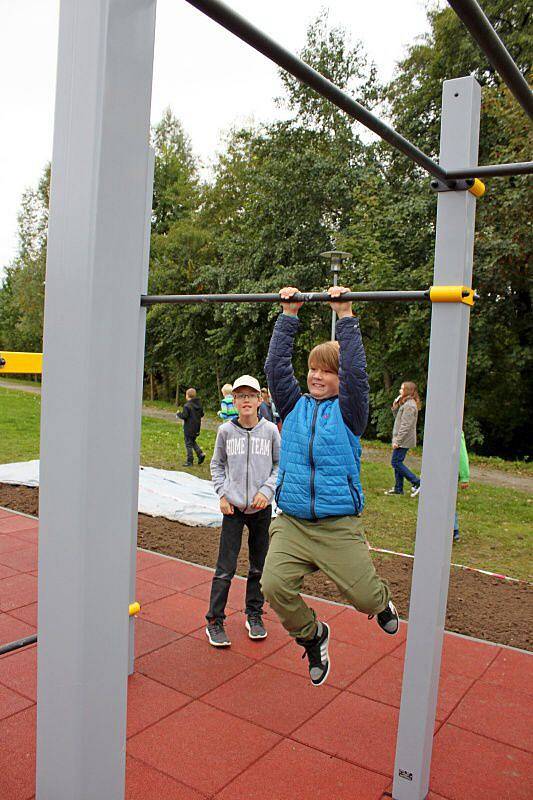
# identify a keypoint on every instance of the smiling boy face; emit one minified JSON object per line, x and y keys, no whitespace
{"x":323,"y":375}
{"x":246,"y":400}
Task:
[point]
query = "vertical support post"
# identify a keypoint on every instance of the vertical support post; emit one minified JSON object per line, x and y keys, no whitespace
{"x":94,"y":278}
{"x":336,"y":257}
{"x":137,"y":404}
{"x":440,"y":460}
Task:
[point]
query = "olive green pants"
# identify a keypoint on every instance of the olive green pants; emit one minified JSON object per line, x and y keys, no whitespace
{"x":338,"y":547}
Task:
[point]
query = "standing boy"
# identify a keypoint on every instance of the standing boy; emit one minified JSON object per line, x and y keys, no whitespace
{"x":319,"y":490}
{"x":192,"y":415}
{"x":244,"y":469}
{"x":227,"y":412}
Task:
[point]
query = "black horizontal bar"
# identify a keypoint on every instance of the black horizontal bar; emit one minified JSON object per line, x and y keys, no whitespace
{"x":492,"y":170}
{"x":8,"y":648}
{"x":472,"y":16}
{"x":301,"y":297}
{"x":233,"y":22}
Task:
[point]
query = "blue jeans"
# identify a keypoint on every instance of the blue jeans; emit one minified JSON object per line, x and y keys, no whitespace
{"x":401,"y":471}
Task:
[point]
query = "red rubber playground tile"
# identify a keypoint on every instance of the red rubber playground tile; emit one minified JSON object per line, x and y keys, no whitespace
{"x":8,"y":544}
{"x":191,"y":666}
{"x":6,"y":572}
{"x":270,"y":697}
{"x":504,"y":715}
{"x":146,"y":558}
{"x":16,"y":522}
{"x":148,"y":702}
{"x":356,"y":629}
{"x":18,"y":671}
{"x":18,"y":590}
{"x":176,"y":575}
{"x":12,"y":629}
{"x":355,"y":729}
{"x":347,"y":661}
{"x":27,"y":614}
{"x":467,"y":766}
{"x":236,"y":597}
{"x":462,"y":656}
{"x":383,"y":683}
{"x":145,"y":783}
{"x":149,"y":637}
{"x":292,"y":771}
{"x":11,"y":702}
{"x":23,"y":560}
{"x":17,"y":756}
{"x":179,"y":612}
{"x":202,"y":746}
{"x":511,"y":670}
{"x":146,"y":592}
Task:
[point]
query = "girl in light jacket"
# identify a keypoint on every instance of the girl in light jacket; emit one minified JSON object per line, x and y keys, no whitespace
{"x":405,"y":409}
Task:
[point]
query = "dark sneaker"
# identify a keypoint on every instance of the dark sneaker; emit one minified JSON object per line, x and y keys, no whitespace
{"x":316,"y":650}
{"x":256,"y":629}
{"x":201,"y":458}
{"x":388,"y":619}
{"x":456,"y":536}
{"x":216,"y":634}
{"x":392,"y":491}
{"x":187,"y":464}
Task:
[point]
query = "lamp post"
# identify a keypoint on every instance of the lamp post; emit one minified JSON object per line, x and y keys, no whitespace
{"x":335,"y":257}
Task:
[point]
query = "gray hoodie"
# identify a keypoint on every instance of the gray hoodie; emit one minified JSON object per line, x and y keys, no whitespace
{"x":245,"y":462}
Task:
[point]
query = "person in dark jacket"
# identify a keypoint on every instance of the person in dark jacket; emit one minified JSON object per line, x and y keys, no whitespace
{"x":192,"y":415}
{"x":265,"y":409}
{"x":318,"y":489}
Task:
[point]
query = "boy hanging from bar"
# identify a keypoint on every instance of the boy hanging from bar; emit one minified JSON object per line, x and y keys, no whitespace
{"x":318,"y":489}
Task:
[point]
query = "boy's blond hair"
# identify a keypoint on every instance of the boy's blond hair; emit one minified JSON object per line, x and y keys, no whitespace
{"x":190,"y":394}
{"x":227,"y":389}
{"x":324,"y":356}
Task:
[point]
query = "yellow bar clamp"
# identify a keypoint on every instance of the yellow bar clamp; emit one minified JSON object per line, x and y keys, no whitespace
{"x":21,"y":363}
{"x":452,"y":294}
{"x":477,"y":188}
{"x":134,"y":608}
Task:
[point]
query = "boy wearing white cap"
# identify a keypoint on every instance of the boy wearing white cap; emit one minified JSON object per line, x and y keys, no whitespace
{"x":244,"y":470}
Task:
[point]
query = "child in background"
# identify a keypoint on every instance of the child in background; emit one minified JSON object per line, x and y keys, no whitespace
{"x":192,"y":415}
{"x":464,"y":480}
{"x":244,"y":469}
{"x":319,"y":491}
{"x":227,"y":409}
{"x":405,"y":409}
{"x":265,"y":409}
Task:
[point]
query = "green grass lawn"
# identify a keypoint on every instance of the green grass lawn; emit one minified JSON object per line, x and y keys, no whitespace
{"x":496,"y":524}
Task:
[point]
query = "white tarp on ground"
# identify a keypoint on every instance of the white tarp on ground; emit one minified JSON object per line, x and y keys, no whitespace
{"x":162,"y":493}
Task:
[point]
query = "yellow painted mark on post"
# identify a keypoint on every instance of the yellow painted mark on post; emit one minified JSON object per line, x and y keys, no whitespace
{"x":134,"y":608}
{"x":452,"y":294}
{"x":21,"y":363}
{"x":478,"y":188}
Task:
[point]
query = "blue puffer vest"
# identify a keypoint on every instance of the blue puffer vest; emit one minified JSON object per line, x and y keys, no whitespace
{"x":319,"y":464}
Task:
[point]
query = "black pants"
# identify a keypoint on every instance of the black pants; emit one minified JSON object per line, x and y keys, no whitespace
{"x":190,"y":445}
{"x":230,"y":546}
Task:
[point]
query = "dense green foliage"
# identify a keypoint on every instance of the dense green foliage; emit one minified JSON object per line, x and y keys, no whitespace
{"x":280,"y":194}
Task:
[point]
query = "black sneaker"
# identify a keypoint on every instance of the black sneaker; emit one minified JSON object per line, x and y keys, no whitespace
{"x":388,"y":619}
{"x":201,"y":458}
{"x":256,"y":629}
{"x":316,"y":650}
{"x":186,"y":464}
{"x":216,"y":634}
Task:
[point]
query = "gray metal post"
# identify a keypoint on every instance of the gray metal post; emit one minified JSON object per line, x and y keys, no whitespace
{"x":137,"y":403}
{"x":335,"y":257}
{"x":96,"y":258}
{"x":440,"y":460}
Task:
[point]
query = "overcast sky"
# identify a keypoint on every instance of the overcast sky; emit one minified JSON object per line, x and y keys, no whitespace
{"x":209,"y":78}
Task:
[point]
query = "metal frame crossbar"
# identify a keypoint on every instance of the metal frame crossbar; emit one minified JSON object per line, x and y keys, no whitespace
{"x":97,"y":269}
{"x":473,"y":17}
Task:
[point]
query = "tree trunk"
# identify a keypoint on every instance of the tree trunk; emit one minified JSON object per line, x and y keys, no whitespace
{"x":217,"y":373}
{"x":151,"y":385}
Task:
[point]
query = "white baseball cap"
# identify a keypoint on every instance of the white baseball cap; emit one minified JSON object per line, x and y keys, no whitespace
{"x":247,"y":380}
